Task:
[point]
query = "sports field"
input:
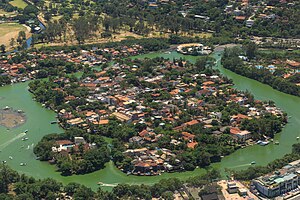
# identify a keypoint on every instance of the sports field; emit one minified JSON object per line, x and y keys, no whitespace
{"x":8,"y":14}
{"x":19,"y":3}
{"x":10,"y":30}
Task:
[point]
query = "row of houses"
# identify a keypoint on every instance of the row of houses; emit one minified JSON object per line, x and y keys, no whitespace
{"x":286,"y":69}
{"x":19,"y":69}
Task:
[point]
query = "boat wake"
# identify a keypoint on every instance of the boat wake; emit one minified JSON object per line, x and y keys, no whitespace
{"x":244,"y":165}
{"x":107,"y":184}
{"x":4,"y":145}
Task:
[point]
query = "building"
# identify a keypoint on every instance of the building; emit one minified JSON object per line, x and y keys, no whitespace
{"x":249,"y":23}
{"x":122,"y":117}
{"x":239,"y":134}
{"x":279,"y":182}
{"x":232,"y":187}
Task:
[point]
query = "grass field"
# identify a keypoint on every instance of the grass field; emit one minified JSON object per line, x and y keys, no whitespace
{"x":2,"y":13}
{"x":10,"y":27}
{"x":10,"y":30}
{"x":19,"y":3}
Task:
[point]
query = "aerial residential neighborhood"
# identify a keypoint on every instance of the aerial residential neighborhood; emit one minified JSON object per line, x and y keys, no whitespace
{"x":149,"y":99}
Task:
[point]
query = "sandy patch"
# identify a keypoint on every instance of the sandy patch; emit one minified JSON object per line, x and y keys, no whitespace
{"x":10,"y":118}
{"x":11,"y":30}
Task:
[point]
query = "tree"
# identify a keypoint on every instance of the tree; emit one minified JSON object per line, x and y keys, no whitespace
{"x":7,"y":176}
{"x":83,"y":193}
{"x":296,"y":148}
{"x":2,"y":47}
{"x":82,"y":29}
{"x":250,"y":49}
{"x":200,"y":64}
{"x":12,"y":42}
{"x":30,"y":9}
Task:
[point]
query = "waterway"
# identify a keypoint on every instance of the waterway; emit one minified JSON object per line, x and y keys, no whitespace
{"x":38,"y":125}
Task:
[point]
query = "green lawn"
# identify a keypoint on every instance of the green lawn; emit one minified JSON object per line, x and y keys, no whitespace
{"x":19,"y":3}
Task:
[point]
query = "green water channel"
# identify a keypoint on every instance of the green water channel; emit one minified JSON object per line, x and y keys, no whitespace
{"x":38,"y":125}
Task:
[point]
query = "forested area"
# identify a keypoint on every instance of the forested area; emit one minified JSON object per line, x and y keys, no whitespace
{"x":14,"y":186}
{"x":82,"y":161}
{"x":81,"y":21}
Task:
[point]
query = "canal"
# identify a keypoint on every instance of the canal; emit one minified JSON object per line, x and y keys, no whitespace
{"x":39,"y":118}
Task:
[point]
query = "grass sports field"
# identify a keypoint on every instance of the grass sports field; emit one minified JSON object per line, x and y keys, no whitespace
{"x":18,"y":3}
{"x":8,"y":14}
{"x":10,"y":30}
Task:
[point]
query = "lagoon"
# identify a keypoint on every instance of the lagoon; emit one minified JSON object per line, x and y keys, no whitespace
{"x":39,"y":118}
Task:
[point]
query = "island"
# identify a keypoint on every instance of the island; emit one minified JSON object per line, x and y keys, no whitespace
{"x":160,"y":114}
{"x":10,"y":118}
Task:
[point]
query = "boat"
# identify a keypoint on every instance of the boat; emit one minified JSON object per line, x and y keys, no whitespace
{"x":276,"y":142}
{"x":26,"y":131}
{"x":10,"y":157}
{"x":258,"y":142}
{"x":264,"y":143}
{"x":6,"y":107}
{"x":298,"y":138}
{"x":23,"y":164}
{"x":24,"y":139}
{"x":253,"y":163}
{"x":53,"y":122}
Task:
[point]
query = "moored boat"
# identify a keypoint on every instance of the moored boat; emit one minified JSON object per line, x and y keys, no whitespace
{"x":264,"y":143}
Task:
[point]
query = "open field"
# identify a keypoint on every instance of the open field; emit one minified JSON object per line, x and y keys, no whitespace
{"x":8,"y":14}
{"x":11,"y":30}
{"x":116,"y":37}
{"x":19,"y":3}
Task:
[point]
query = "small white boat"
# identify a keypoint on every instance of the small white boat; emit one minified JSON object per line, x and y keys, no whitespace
{"x":10,"y":157}
{"x":258,"y":142}
{"x":24,"y":139}
{"x":26,"y":131}
{"x":298,"y":138}
{"x":253,"y":163}
{"x":264,"y":143}
{"x":23,"y":164}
